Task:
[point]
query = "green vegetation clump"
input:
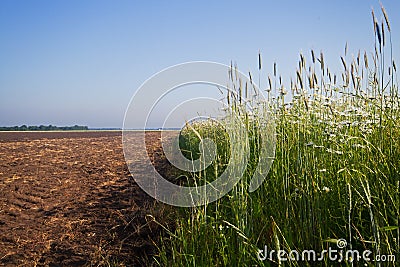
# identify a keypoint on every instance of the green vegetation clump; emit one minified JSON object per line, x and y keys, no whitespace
{"x":190,"y":146}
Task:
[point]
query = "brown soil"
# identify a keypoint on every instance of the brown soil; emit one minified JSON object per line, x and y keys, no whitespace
{"x":68,"y":199}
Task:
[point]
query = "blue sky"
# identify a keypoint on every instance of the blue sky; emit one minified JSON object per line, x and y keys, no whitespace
{"x":79,"y":62}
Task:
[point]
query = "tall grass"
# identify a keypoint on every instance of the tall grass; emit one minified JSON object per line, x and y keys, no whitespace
{"x":336,"y":172}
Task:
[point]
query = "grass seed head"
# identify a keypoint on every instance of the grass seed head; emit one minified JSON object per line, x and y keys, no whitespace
{"x":344,"y":63}
{"x":312,"y":56}
{"x":366,"y":60}
{"x":373,"y":19}
{"x":322,"y":62}
{"x":378,"y":34}
{"x":386,"y":16}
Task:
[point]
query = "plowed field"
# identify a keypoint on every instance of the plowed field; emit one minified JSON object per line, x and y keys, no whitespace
{"x":68,"y":199}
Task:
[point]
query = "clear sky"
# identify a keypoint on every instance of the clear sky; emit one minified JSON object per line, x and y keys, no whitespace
{"x":79,"y":62}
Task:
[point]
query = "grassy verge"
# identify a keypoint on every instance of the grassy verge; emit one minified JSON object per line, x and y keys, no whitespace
{"x":335,"y":174}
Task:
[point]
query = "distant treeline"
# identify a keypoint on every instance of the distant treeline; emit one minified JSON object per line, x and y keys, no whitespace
{"x":44,"y":128}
